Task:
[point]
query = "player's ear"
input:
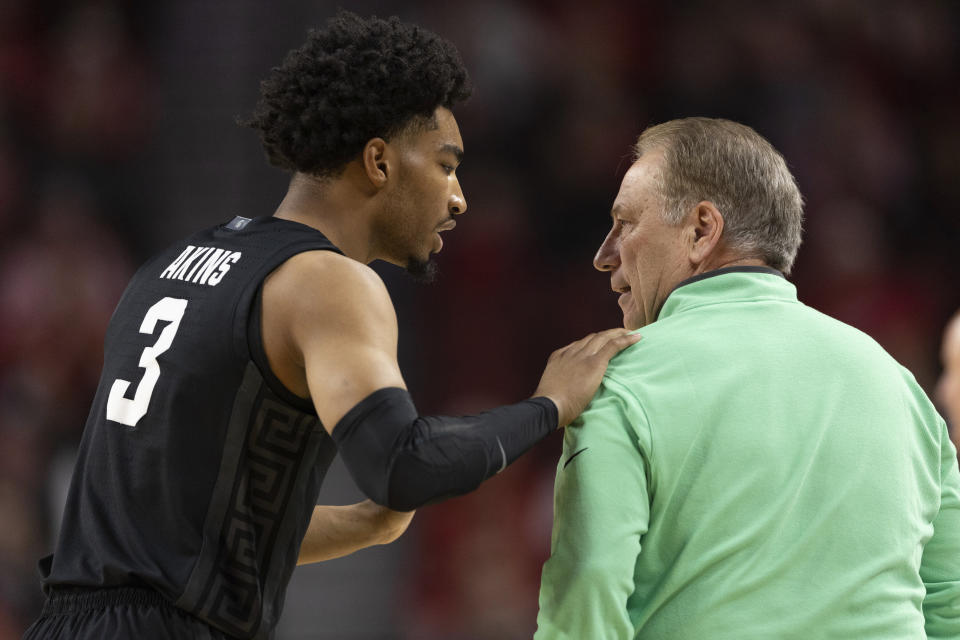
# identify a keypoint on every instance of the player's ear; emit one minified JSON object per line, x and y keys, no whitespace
{"x":376,"y":166}
{"x":706,"y":224}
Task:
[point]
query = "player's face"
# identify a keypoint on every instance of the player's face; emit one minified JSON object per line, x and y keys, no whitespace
{"x":646,"y":257}
{"x":426,"y":196}
{"x":948,"y":388}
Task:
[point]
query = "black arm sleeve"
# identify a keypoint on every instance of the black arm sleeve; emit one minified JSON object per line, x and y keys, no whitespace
{"x":402,"y":461}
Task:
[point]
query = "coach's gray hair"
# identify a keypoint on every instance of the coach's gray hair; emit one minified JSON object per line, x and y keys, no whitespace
{"x":735,"y":168}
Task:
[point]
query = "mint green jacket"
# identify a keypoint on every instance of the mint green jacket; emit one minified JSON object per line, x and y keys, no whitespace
{"x":750,"y":469}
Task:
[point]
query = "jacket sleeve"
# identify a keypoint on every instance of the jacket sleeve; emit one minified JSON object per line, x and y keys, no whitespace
{"x":940,"y":564}
{"x":601,"y":511}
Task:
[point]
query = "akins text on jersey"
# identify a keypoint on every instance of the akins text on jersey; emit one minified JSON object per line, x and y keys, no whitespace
{"x":201,"y":265}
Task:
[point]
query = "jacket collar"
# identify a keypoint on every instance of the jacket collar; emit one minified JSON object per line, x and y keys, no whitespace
{"x":730,"y":284}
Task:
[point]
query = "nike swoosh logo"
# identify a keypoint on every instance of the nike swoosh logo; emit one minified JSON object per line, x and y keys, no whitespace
{"x":502,"y":453}
{"x":575,"y":454}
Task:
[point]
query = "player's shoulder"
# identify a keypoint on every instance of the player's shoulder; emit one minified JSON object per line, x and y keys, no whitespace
{"x":327,"y":282}
{"x":331,"y":269}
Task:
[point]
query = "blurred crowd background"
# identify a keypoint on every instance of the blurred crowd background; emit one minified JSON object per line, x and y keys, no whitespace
{"x":118,"y":136}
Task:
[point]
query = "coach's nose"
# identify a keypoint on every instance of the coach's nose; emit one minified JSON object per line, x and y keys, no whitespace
{"x":608,"y":255}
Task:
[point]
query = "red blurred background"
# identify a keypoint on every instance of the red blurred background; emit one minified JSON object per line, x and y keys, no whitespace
{"x":117,"y":137}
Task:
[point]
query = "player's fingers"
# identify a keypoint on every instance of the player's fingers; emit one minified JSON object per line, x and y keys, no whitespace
{"x":617,"y":343}
{"x":598,"y":341}
{"x":589,"y":344}
{"x":576,"y":346}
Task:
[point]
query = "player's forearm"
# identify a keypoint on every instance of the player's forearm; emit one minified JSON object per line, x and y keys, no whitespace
{"x":337,"y":531}
{"x":402,"y":460}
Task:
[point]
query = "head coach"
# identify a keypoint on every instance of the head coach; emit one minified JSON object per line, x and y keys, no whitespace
{"x":752,"y":468}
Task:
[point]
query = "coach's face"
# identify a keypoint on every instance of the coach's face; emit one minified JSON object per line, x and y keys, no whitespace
{"x":425,"y":194}
{"x":646,"y":257}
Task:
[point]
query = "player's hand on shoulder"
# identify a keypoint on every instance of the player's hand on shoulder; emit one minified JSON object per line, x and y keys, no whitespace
{"x":573,"y":373}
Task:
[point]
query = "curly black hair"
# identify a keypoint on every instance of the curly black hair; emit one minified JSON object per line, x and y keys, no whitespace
{"x":356,"y":79}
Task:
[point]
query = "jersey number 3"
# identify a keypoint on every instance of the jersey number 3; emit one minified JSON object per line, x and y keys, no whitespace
{"x":124,"y":410}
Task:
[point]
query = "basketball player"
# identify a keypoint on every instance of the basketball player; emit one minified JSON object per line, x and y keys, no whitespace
{"x":242,"y":359}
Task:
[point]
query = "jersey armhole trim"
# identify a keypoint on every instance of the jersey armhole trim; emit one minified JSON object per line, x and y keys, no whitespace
{"x":247,"y":330}
{"x":259,"y":357}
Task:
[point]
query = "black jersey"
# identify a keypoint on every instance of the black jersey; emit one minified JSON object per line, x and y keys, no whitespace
{"x":198,"y":471}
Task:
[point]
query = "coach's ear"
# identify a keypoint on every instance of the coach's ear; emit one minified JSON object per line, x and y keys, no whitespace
{"x":376,"y":164}
{"x":705,"y":230}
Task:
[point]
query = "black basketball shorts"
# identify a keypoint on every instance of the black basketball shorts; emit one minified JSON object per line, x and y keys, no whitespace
{"x":117,"y":613}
